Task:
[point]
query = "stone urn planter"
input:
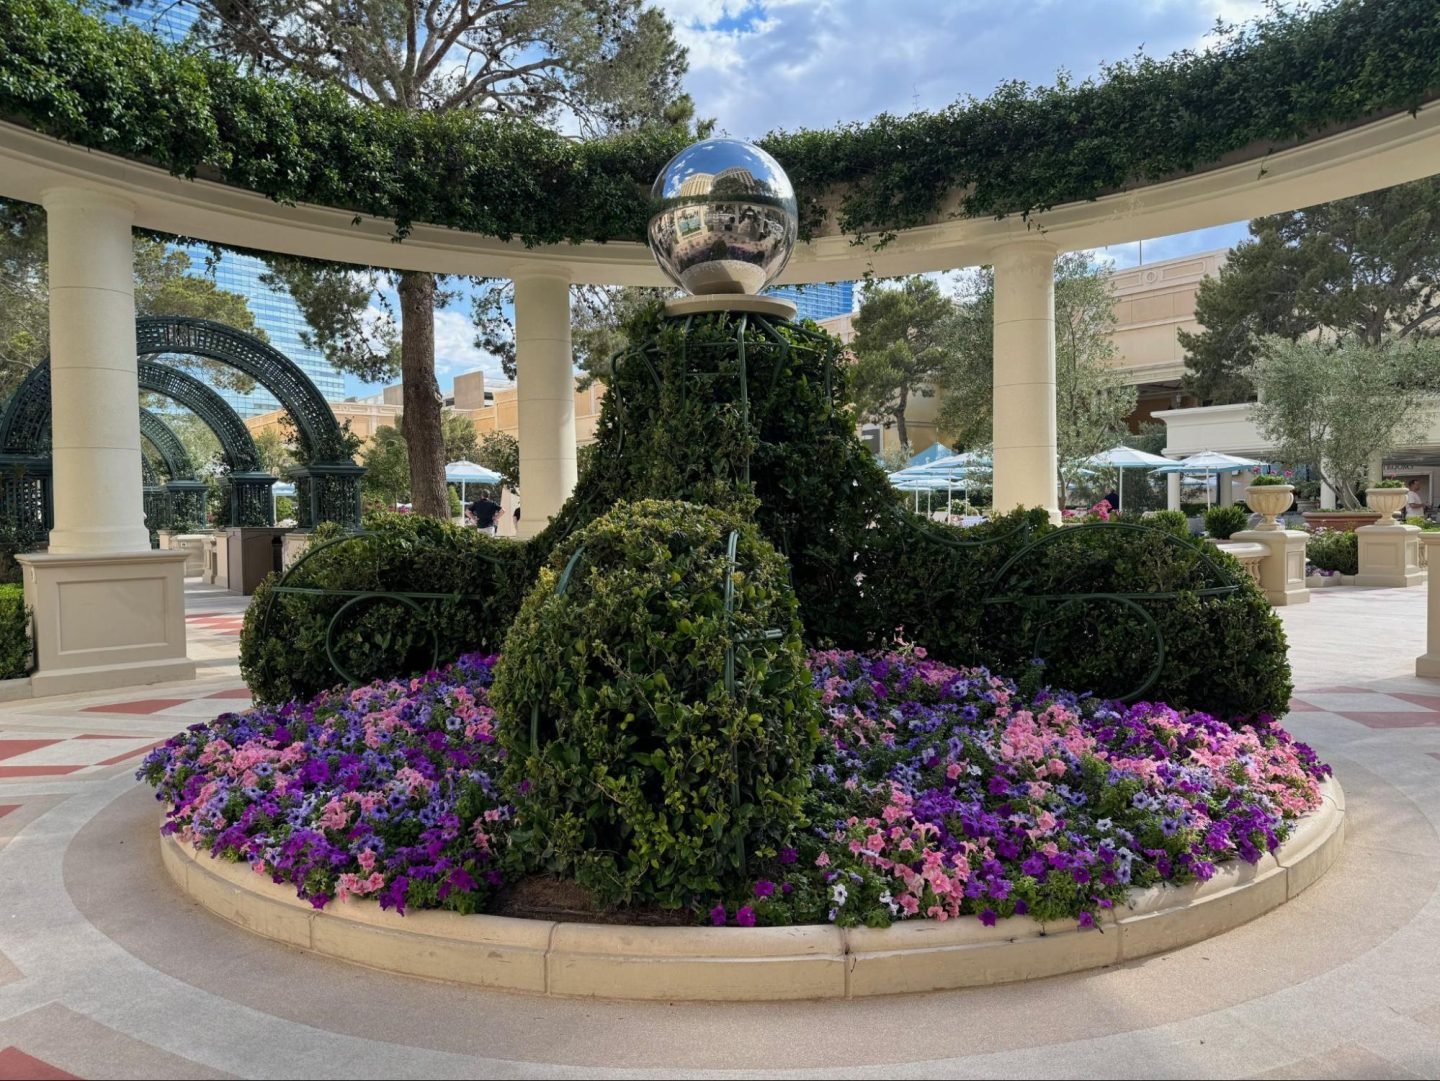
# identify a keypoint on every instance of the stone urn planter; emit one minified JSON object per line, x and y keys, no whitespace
{"x":1270,"y":501}
{"x":1340,"y":521}
{"x":1386,"y":501}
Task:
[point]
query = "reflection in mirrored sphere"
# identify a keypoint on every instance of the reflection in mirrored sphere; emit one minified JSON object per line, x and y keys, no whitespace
{"x":724,"y":218}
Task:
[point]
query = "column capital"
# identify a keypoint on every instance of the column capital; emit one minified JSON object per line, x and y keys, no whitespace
{"x":83,"y":198}
{"x":541,"y":271}
{"x":1024,"y":249}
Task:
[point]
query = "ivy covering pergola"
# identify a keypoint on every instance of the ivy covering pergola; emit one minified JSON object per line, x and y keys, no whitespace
{"x":1283,"y":79}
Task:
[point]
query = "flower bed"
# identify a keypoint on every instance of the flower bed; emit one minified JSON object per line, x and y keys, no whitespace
{"x":381,"y":791}
{"x":938,"y":793}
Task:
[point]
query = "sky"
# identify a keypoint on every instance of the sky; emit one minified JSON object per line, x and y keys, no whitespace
{"x":762,"y":65}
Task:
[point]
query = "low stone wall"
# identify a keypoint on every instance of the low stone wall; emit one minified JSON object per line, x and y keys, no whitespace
{"x":757,"y":964}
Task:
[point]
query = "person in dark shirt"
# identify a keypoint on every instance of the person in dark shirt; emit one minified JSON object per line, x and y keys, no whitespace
{"x":485,"y":509}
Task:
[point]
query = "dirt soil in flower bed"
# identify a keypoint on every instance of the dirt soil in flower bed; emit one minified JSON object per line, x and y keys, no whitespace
{"x":543,"y":897}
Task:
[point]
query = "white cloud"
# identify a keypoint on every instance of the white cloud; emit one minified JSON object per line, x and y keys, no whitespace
{"x":456,"y":351}
{"x":761,"y":65}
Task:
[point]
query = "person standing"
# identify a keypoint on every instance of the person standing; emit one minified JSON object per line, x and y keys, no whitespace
{"x":1414,"y":505}
{"x":485,"y":510}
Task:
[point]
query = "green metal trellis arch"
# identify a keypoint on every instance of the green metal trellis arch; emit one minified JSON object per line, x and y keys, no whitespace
{"x":328,"y":481}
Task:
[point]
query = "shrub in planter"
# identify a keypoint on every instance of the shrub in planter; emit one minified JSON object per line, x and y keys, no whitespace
{"x":1173,"y":520}
{"x":1333,"y":550}
{"x":288,"y":640}
{"x":1224,"y":522}
{"x":655,"y":741}
{"x":15,"y":649}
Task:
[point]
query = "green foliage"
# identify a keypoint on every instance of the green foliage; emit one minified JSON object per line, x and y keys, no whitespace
{"x":1173,"y":520}
{"x":1223,"y":522}
{"x":283,"y":643}
{"x":500,"y":451}
{"x":16,"y":652}
{"x":387,"y":467}
{"x":672,"y":426}
{"x":16,"y":537}
{"x":1335,"y":405}
{"x":964,"y":609}
{"x":652,"y":778}
{"x":1269,"y":480}
{"x":958,"y":604}
{"x":902,"y":341}
{"x":459,"y":435}
{"x":456,"y":508}
{"x":284,"y":508}
{"x":1334,"y":550}
{"x":1287,"y":76}
{"x":1363,"y":269}
{"x":1389,"y":482}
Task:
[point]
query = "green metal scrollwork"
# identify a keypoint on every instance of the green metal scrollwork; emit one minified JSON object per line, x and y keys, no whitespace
{"x":356,"y":599}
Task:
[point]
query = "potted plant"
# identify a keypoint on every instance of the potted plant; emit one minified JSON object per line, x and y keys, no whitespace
{"x":1387,"y":497}
{"x":1269,"y":495}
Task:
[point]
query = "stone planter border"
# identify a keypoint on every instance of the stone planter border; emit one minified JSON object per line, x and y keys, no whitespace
{"x":759,"y":964}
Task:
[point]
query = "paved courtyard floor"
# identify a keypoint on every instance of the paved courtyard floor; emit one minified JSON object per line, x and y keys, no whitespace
{"x":106,"y":971}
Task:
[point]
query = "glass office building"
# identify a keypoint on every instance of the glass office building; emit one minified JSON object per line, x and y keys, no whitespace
{"x":277,"y":314}
{"x":818,"y":301}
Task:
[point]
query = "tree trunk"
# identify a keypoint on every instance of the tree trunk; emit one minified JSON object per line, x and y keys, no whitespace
{"x":901,"y":432}
{"x":420,"y":420}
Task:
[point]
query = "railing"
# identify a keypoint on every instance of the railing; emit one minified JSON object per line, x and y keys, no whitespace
{"x":1249,"y":556}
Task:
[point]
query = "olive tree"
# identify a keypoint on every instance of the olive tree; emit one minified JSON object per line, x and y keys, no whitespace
{"x":1334,"y":405}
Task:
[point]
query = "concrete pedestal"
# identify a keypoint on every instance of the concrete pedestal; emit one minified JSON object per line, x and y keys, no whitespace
{"x":1389,"y":555}
{"x":193,"y":545}
{"x":105,"y":621}
{"x":251,"y":555}
{"x":293,"y":546}
{"x":1428,"y":663}
{"x":217,"y":559}
{"x":1282,"y":571}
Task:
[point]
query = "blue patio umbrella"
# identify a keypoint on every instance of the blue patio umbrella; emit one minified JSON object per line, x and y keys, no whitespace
{"x":929,"y":454}
{"x":466,"y":472}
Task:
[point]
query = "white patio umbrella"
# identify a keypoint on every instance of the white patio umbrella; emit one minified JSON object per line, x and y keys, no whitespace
{"x":466,"y":472}
{"x":1210,"y":462}
{"x":1122,"y":458}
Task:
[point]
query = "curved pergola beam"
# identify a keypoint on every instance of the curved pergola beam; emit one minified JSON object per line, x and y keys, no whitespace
{"x":1391,"y":151}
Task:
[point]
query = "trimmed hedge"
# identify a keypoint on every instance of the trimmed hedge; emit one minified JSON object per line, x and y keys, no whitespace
{"x":637,"y":771}
{"x":1334,"y":550}
{"x":1225,"y":655}
{"x":672,"y":427}
{"x":1222,"y":523}
{"x":16,"y":652}
{"x":1283,"y":78}
{"x":283,"y":645}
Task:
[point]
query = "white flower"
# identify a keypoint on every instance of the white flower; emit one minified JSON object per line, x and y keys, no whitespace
{"x":838,"y":893}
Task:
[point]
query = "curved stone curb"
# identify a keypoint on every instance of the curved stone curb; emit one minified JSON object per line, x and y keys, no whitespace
{"x":729,"y":964}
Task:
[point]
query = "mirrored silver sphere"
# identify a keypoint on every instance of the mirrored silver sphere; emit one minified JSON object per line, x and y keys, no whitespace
{"x":724,"y":218}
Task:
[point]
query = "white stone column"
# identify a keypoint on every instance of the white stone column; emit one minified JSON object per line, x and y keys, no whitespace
{"x":98,"y":502}
{"x":1025,"y":458}
{"x":545,"y":394}
{"x":108,"y":612}
{"x":1428,"y":663}
{"x":1172,"y":491}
